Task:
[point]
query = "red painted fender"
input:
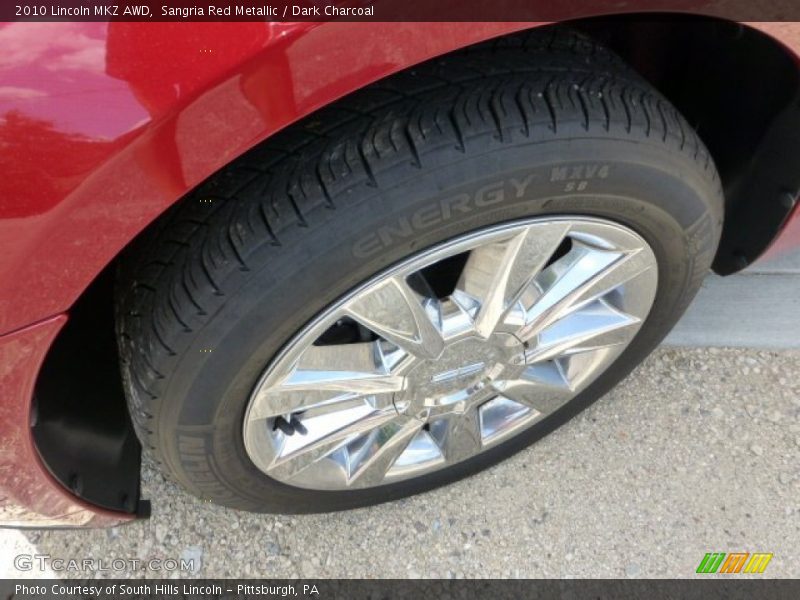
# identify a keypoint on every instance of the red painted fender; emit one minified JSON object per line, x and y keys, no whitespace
{"x":106,"y":125}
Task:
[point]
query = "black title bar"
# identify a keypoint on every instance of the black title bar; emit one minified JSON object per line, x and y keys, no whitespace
{"x":384,"y":10}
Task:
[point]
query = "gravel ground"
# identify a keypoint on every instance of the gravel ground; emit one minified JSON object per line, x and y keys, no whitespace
{"x":697,"y":451}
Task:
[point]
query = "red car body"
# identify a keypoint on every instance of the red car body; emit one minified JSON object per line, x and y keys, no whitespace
{"x":104,"y":126}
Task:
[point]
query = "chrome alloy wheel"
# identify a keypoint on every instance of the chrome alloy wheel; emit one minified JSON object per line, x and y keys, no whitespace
{"x":449,"y":353}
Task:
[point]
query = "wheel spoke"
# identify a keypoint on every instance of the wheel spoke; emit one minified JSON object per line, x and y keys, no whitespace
{"x":582,"y":276}
{"x":370,"y":458}
{"x":279,"y":401}
{"x":592,"y":327}
{"x":543,"y":387}
{"x":496,"y":274}
{"x":327,"y":378}
{"x":421,"y":453}
{"x":397,"y":313}
{"x":502,"y":416}
{"x":324,"y":435}
{"x":458,"y":435}
{"x":356,"y":368}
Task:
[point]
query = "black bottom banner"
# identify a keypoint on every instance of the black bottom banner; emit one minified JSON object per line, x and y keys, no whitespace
{"x":379,"y":589}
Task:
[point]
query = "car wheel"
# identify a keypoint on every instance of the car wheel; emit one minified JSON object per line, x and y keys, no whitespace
{"x":416,"y":282}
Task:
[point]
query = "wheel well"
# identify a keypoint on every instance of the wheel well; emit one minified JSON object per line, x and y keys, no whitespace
{"x":737,"y":86}
{"x":80,"y":422}
{"x":741,"y":90}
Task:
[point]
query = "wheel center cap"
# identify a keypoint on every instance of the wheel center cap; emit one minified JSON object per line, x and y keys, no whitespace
{"x":459,"y":377}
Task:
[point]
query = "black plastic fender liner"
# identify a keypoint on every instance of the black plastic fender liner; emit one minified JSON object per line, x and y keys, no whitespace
{"x":80,"y":424}
{"x":766,"y":197}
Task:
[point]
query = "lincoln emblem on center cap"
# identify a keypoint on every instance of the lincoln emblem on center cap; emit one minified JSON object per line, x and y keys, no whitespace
{"x":457,"y":373}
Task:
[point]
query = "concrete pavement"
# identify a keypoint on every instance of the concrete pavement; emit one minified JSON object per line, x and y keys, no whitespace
{"x":697,"y":451}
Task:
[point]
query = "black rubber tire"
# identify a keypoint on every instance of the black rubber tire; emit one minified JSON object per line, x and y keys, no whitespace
{"x":542,"y":123}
